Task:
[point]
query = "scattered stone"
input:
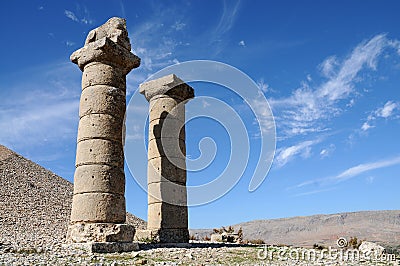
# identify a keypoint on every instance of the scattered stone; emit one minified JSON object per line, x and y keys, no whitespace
{"x":371,"y":249}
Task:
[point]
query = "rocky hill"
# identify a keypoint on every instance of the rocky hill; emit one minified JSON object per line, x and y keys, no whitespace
{"x":35,"y":204}
{"x":382,"y":227}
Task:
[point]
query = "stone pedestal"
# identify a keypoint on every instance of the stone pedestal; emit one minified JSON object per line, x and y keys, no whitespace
{"x":98,"y":207}
{"x":167,"y":196}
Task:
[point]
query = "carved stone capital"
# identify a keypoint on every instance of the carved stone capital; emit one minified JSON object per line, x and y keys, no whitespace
{"x":169,"y":85}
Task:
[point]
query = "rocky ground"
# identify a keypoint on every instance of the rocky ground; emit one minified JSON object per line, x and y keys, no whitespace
{"x":205,"y":254}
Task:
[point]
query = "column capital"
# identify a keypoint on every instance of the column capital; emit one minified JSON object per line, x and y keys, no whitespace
{"x":108,"y":44}
{"x":169,"y":85}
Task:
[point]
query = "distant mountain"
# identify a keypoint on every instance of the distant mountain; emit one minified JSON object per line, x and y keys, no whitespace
{"x":381,"y":227}
{"x":35,"y":204}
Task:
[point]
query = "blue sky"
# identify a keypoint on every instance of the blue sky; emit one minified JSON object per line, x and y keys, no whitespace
{"x":329,"y":69}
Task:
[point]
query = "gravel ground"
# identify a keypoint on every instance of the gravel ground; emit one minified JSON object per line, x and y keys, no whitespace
{"x":212,"y":255}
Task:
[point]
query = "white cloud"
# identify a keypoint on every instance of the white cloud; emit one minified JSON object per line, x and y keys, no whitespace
{"x":178,"y":25}
{"x":366,"y":167}
{"x":47,"y":113}
{"x":386,"y":111}
{"x":366,"y":126}
{"x":352,"y":172}
{"x":328,"y":67}
{"x":242,"y":43}
{"x":69,"y":43}
{"x":228,"y":17}
{"x":263,"y":86}
{"x":71,"y":15}
{"x":327,"y":151}
{"x":84,"y":18}
{"x":303,"y":149}
{"x":309,"y":107}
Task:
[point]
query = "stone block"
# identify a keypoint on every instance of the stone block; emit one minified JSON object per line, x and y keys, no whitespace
{"x":101,"y":99}
{"x":162,"y":169}
{"x":100,"y":151}
{"x":103,"y":126}
{"x":166,"y":107}
{"x":103,"y":74}
{"x":171,"y":128}
{"x":98,"y":207}
{"x":100,"y":232}
{"x":168,"y":192}
{"x":168,"y":147}
{"x":105,"y":51}
{"x":99,"y":178}
{"x":164,"y":215}
{"x":164,"y":236}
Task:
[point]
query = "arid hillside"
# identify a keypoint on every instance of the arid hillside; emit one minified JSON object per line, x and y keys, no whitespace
{"x":35,"y":204}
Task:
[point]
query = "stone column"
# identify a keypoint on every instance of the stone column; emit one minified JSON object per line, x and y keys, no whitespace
{"x":167,"y":198}
{"x":98,"y":206}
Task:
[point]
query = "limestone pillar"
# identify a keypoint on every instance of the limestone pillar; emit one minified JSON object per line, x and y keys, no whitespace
{"x":167,"y":197}
{"x":98,"y":207}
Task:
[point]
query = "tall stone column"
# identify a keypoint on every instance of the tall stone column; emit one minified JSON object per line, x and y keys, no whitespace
{"x":167,"y":196}
{"x":98,"y":206}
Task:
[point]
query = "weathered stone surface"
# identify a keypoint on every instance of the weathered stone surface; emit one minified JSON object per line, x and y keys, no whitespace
{"x":98,"y":207}
{"x":101,"y":99}
{"x":162,"y":169}
{"x":102,"y":74}
{"x":167,"y":201}
{"x":168,"y":192}
{"x":100,"y":232}
{"x":172,"y":128}
{"x":216,"y":238}
{"x":105,"y":50}
{"x":114,"y":29}
{"x":371,"y":249}
{"x":99,"y":151}
{"x":179,"y":235}
{"x":169,"y":147}
{"x":101,"y":126}
{"x":167,"y":216}
{"x":169,"y":85}
{"x":99,"y":178}
{"x":166,"y":107}
{"x":104,"y":247}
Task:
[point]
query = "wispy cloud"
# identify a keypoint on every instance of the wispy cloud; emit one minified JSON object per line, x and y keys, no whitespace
{"x":309,"y":107}
{"x":388,"y":110}
{"x":286,"y":154}
{"x":227,"y":20}
{"x":71,"y":15}
{"x":352,"y":172}
{"x":362,"y":168}
{"x":325,"y":152}
{"x":46,"y":113}
{"x":83,"y":17}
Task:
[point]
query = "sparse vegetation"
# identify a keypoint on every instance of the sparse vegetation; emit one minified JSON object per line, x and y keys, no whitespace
{"x":354,"y":242}
{"x":318,"y":246}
